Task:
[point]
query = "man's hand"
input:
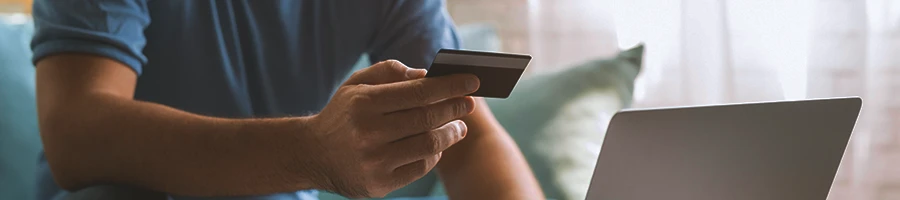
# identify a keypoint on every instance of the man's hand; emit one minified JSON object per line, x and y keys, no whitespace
{"x":387,"y":126}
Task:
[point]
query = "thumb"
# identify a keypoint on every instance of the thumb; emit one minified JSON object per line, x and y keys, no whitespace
{"x":388,"y":71}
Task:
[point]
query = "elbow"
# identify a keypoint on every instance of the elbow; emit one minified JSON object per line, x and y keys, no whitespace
{"x":66,"y":181}
{"x":61,"y":149}
{"x":65,"y":172}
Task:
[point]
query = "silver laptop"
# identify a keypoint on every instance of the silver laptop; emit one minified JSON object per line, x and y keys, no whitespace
{"x":786,"y":150}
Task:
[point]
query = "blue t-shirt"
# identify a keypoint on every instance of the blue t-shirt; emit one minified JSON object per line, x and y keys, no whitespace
{"x":241,"y":58}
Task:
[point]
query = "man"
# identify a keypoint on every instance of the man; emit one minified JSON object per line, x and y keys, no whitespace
{"x":213,"y":98}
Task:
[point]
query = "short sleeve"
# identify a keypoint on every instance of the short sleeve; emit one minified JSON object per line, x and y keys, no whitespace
{"x":412,"y":31}
{"x":109,"y":28}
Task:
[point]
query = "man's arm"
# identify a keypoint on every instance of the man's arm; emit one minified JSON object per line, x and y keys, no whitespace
{"x":95,"y":133}
{"x":88,"y":56}
{"x":487,"y":164}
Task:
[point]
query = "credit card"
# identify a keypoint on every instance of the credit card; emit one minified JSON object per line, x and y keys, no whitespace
{"x":498,"y":72}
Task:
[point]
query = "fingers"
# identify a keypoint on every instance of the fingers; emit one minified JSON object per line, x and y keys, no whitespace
{"x":420,"y":92}
{"x":388,"y":71}
{"x":426,"y":145}
{"x":417,"y":120}
{"x":412,"y":158}
{"x":406,"y":174}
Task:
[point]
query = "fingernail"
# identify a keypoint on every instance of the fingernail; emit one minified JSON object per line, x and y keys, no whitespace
{"x":470,"y":105}
{"x":414,"y":73}
{"x":472,"y":84}
{"x":462,"y":128}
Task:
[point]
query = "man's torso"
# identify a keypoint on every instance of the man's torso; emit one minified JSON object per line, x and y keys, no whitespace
{"x":251,"y":58}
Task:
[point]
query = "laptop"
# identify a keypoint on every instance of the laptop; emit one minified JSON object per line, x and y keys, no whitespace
{"x":788,"y":150}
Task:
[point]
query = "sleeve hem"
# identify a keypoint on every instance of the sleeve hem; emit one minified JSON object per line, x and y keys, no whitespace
{"x":77,"y":46}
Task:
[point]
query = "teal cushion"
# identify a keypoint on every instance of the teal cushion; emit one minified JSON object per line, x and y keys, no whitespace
{"x":20,"y":142}
{"x":562,"y":129}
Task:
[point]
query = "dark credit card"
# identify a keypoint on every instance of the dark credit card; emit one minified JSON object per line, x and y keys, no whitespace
{"x":498,"y":72}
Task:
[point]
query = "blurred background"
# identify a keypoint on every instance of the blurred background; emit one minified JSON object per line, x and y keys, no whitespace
{"x":695,"y":52}
{"x":724,"y":51}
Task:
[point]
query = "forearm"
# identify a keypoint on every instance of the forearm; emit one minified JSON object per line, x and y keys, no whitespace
{"x":100,"y":139}
{"x":487,"y":164}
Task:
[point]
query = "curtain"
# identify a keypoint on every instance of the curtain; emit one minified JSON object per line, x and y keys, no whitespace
{"x":725,"y":51}
{"x":729,"y":51}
